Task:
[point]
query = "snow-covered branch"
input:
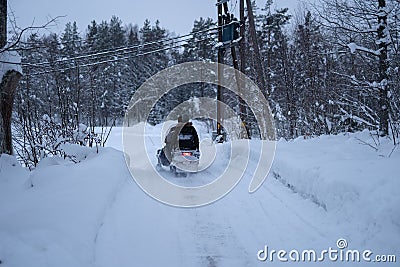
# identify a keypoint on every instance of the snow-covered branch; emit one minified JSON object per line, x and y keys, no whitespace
{"x":354,"y":47}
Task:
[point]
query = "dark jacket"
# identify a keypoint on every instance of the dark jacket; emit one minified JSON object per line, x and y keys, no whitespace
{"x":188,"y":138}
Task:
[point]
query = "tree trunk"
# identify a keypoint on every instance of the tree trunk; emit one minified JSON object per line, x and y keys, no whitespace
{"x":7,"y":91}
{"x":9,"y":83}
{"x":383,"y":66}
{"x":3,"y":23}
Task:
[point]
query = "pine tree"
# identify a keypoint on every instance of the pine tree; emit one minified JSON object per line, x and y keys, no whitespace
{"x":91,"y":36}
{"x":133,"y":75}
{"x":309,"y":77}
{"x":154,"y":59}
{"x":274,"y":50}
{"x":70,"y":93}
{"x":201,"y":45}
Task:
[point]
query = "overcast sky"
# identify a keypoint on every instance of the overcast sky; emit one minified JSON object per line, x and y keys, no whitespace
{"x":175,"y":15}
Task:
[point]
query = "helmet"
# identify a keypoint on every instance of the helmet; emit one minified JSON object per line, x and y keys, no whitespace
{"x":185,"y":118}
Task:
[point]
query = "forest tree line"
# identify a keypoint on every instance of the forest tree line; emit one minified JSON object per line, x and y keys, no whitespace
{"x":322,"y":68}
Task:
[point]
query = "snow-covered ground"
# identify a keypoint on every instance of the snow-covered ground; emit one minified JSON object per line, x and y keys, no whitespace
{"x":93,"y":213}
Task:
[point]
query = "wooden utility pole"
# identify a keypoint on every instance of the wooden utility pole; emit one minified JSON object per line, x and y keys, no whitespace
{"x":235,"y":62}
{"x":224,"y":23}
{"x":254,"y":42}
{"x":242,"y":44}
{"x":221,"y":52}
{"x":225,"y":20}
{"x":242,"y":54}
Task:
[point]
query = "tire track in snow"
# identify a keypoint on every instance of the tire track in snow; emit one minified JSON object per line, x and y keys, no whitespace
{"x":295,"y":212}
{"x":216,"y":241}
{"x":102,"y":218}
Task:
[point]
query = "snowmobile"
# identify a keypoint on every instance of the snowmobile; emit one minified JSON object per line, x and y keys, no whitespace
{"x":181,"y":151}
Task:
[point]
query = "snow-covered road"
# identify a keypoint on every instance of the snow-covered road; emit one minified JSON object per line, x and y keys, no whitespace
{"x":229,"y":232}
{"x":94,"y":214}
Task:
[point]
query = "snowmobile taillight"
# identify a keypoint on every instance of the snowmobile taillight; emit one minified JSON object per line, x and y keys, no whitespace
{"x":186,"y":153}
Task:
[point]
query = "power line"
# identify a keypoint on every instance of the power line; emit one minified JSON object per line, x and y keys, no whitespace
{"x":121,"y":47}
{"x":121,"y":52}
{"x":115,"y":51}
{"x":112,"y":60}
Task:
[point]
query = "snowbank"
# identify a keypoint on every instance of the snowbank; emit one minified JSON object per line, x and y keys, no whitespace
{"x":50,"y":217}
{"x":354,"y":180}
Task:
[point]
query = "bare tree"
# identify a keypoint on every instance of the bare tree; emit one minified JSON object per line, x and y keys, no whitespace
{"x":361,"y":27}
{"x":10,"y":72}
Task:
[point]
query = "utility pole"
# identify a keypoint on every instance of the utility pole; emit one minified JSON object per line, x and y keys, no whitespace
{"x":254,"y":41}
{"x":221,"y":53}
{"x":228,"y":38}
{"x":235,"y":62}
{"x":242,"y":49}
{"x":242,"y":45}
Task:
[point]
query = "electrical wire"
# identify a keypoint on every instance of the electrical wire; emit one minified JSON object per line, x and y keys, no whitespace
{"x":120,"y":52}
{"x":121,"y":47}
{"x":113,"y":60}
{"x":115,"y":51}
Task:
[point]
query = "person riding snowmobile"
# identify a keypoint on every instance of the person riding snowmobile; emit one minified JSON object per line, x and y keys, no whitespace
{"x":183,"y":136}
